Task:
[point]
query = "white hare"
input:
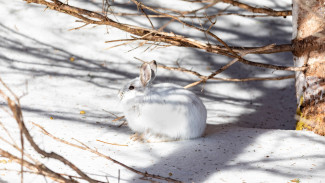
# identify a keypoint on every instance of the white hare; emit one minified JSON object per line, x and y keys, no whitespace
{"x":161,"y":112}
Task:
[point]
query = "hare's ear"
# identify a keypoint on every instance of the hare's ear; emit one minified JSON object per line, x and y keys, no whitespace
{"x":148,"y":73}
{"x":153,"y":66}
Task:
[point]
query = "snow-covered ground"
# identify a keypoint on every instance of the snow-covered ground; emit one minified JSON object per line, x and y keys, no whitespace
{"x":250,"y":135}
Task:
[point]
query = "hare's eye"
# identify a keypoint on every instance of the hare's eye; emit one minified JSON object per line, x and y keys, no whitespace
{"x":131,"y":87}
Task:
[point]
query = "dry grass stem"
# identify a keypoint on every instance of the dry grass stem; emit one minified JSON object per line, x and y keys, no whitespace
{"x":111,"y":143}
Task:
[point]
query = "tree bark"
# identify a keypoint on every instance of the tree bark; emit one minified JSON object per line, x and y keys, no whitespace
{"x":309,"y":50}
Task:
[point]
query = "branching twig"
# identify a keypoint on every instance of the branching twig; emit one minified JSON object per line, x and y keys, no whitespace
{"x":17,"y":114}
{"x":212,"y":74}
{"x":203,"y":78}
{"x":181,"y":69}
{"x":145,"y":174}
{"x":32,"y":172}
{"x":39,"y":168}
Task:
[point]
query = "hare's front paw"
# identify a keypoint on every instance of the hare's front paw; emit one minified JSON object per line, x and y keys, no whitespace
{"x":153,"y":138}
{"x":149,"y":138}
{"x":137,"y":137}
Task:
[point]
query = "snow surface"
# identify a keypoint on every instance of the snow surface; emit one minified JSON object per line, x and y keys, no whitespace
{"x":250,"y":135}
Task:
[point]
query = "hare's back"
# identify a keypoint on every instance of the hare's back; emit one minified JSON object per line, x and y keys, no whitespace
{"x":171,"y":98}
{"x":172,"y":109}
{"x":167,"y":92}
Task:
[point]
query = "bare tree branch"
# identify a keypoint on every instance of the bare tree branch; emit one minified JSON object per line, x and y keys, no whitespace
{"x":157,"y":36}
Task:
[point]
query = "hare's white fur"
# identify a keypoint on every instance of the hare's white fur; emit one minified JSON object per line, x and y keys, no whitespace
{"x":165,"y":110}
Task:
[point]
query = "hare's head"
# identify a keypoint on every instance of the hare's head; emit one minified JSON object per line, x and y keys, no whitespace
{"x":138,"y":85}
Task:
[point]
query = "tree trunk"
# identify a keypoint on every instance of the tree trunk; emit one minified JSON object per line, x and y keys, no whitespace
{"x":309,"y":50}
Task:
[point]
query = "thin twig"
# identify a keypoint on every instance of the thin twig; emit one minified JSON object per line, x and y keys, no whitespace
{"x":255,"y":78}
{"x":8,"y":134}
{"x":193,"y":16}
{"x":140,"y":7}
{"x":79,"y":27}
{"x":267,"y":11}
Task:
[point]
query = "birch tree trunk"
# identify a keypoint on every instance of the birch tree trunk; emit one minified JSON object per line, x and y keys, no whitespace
{"x":309,"y":50}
